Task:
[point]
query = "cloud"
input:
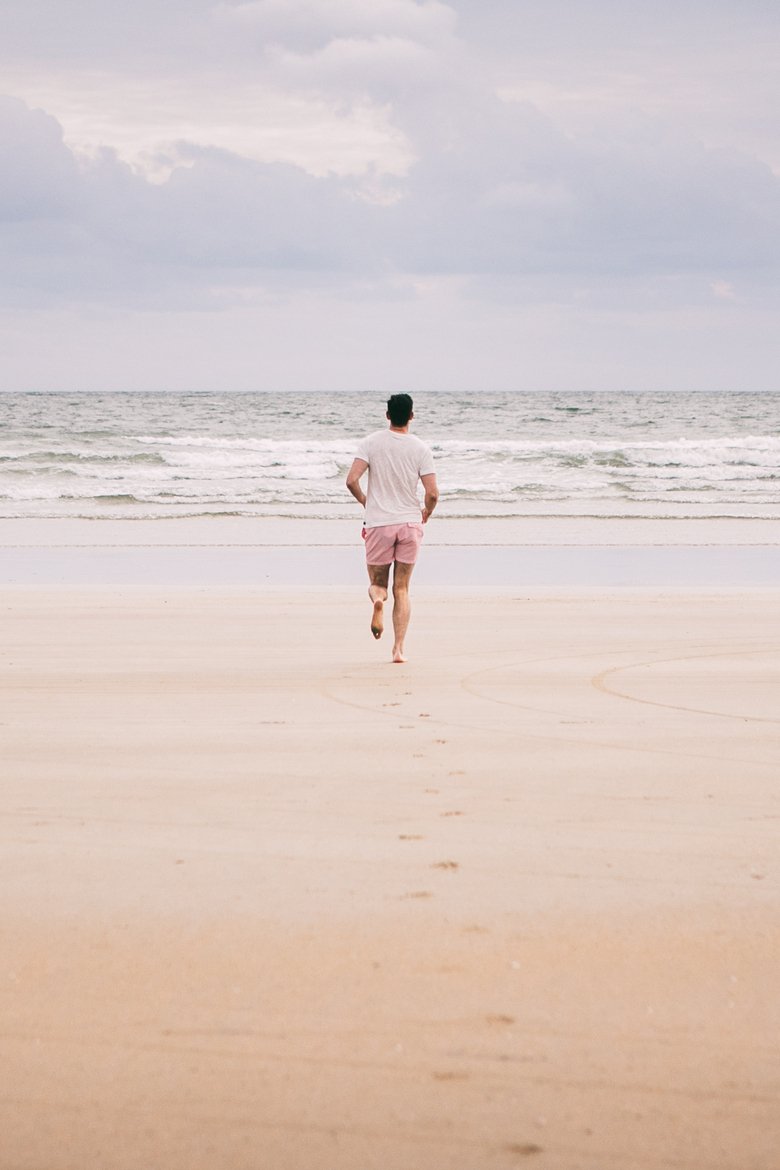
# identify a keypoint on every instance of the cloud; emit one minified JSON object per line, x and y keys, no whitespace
{"x":723,"y":290}
{"x":509,"y":192}
{"x":412,"y":189}
{"x":400,"y":186}
{"x":376,"y":65}
{"x":371,"y":51}
{"x":38,"y":174}
{"x":226,"y":214}
{"x":106,"y":34}
{"x":497,"y":191}
{"x":146,"y":123}
{"x":92,"y":230}
{"x":309,"y":25}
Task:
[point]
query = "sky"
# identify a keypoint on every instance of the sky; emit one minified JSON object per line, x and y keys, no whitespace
{"x":390,"y":195}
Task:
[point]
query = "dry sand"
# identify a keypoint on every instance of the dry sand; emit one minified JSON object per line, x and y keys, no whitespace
{"x":268,"y":901}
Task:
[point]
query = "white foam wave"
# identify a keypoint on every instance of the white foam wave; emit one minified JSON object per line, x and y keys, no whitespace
{"x":256,"y":444}
{"x":159,"y":456}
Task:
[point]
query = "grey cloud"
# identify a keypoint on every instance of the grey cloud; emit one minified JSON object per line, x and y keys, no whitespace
{"x":227,"y":212}
{"x":98,"y":32}
{"x":347,"y":50}
{"x":557,"y":26}
{"x":38,"y":174}
{"x":150,"y":37}
{"x":93,"y":229}
{"x":640,"y":168}
{"x":381,"y":67}
{"x":308,"y":25}
{"x":497,"y":189}
{"x":540,"y":202}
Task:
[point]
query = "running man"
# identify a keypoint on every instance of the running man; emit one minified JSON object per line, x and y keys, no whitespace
{"x":395,"y":461}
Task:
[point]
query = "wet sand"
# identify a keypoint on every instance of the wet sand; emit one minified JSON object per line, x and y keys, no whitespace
{"x":476,"y":553}
{"x":268,"y":900}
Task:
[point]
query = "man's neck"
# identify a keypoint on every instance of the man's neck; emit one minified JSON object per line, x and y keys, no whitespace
{"x":400,"y":430}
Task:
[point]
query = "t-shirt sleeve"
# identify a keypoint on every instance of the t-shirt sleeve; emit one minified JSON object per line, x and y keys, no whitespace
{"x":426,"y":461}
{"x":361,"y":451}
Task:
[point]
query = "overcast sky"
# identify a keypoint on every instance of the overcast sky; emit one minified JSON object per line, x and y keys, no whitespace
{"x":390,"y":194}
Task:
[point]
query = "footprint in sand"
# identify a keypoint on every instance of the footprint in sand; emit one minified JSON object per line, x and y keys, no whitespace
{"x":410,"y":837}
{"x":445,"y":865}
{"x":524,"y":1149}
{"x":416,"y":894}
{"x":500,"y":1018}
{"x":453,"y":813}
{"x":450,"y":1076}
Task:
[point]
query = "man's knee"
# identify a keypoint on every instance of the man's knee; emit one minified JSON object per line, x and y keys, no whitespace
{"x":400,"y":587}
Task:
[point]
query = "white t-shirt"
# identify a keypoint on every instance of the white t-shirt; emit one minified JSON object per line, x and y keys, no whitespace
{"x":396,"y":460}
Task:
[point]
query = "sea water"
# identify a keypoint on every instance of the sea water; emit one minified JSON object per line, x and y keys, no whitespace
{"x":151,"y":456}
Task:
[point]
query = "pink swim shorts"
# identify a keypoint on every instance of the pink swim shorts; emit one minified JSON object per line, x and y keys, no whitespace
{"x":393,"y":542}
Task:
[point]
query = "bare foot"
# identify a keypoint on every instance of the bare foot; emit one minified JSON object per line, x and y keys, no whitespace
{"x":398,"y":655}
{"x":378,"y":619}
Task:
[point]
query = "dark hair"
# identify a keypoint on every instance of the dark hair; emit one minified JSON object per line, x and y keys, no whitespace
{"x":399,"y":408}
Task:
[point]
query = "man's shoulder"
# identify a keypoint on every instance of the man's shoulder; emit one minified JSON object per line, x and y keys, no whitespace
{"x":367,"y":442}
{"x":420,"y":446}
{"x":387,"y":440}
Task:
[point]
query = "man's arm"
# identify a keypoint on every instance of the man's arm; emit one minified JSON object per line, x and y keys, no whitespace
{"x":356,"y":473}
{"x":431,"y":495}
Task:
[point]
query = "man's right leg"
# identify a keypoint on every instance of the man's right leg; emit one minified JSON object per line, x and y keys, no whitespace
{"x":402,"y":608}
{"x":378,"y":575}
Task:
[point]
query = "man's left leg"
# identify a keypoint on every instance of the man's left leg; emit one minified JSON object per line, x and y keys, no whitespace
{"x":379,"y":576}
{"x":402,"y":609}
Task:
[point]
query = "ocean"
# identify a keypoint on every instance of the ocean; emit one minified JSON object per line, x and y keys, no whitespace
{"x":154,"y":456}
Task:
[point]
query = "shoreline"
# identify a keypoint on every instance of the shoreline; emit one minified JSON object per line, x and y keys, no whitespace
{"x":467,"y":531}
{"x":269,"y":567}
{"x":277,"y":554}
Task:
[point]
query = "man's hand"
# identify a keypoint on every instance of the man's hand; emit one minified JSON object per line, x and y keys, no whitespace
{"x":431,"y":495}
{"x":356,"y":471}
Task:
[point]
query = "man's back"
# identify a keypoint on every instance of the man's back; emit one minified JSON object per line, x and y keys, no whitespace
{"x":396,"y":461}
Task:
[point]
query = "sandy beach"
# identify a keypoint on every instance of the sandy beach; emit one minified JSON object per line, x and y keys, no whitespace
{"x":269,"y":901}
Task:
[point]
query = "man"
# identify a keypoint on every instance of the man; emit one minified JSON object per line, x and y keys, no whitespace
{"x":395,"y":461}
